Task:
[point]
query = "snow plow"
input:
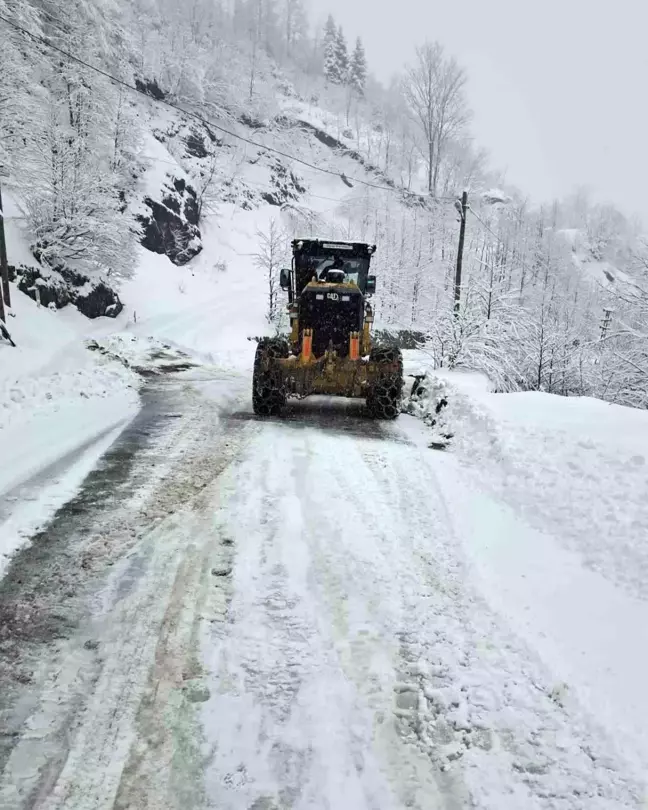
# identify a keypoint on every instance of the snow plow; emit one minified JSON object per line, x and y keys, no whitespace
{"x":329,"y":349}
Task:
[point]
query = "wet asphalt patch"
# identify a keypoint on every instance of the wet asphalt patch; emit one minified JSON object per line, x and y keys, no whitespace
{"x":329,"y":415}
{"x":47,"y":593}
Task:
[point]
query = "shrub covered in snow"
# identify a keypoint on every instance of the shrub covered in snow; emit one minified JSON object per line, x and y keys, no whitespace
{"x":428,"y":400}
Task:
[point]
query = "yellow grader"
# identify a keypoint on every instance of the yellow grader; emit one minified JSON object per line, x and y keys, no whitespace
{"x":329,"y":350}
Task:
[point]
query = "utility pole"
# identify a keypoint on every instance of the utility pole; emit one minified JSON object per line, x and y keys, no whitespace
{"x":463,"y":209}
{"x":4,"y":269}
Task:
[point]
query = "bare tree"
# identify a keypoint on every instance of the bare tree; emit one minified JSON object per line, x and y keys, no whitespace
{"x":434,"y":89}
{"x":255,"y":34}
{"x":208,"y":184}
{"x":270,"y":257}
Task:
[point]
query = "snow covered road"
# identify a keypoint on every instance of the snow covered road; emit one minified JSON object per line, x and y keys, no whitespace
{"x":278,"y":614}
{"x":356,"y":665}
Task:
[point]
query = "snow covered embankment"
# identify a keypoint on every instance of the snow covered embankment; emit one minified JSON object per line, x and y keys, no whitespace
{"x":574,"y":467}
{"x":60,"y":408}
{"x":549,"y":497}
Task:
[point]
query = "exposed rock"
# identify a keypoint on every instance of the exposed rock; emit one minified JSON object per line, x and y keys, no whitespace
{"x":322,"y":136}
{"x":173,"y":203}
{"x":283,"y":121}
{"x":195,"y":144}
{"x":253,"y":123}
{"x":71,"y":276}
{"x":98,"y":299}
{"x":151,"y":88}
{"x":190,"y":202}
{"x":286,"y":184}
{"x":211,"y":135}
{"x":239,"y":194}
{"x":171,"y":228}
{"x":51,"y":289}
{"x":59,"y":286}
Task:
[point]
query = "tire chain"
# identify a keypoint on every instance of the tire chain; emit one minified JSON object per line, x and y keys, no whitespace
{"x":383,"y":400}
{"x":268,"y":394}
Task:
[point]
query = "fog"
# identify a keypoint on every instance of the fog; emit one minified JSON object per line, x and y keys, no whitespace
{"x":557,"y":89}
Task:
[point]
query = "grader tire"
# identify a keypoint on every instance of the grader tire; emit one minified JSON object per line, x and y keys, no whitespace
{"x":268,"y":392}
{"x":384,"y":395}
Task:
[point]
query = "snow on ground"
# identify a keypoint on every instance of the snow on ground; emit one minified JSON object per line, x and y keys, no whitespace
{"x":210,"y":307}
{"x":58,"y":405}
{"x":550,"y":501}
{"x":567,"y":465}
{"x":353,"y":661}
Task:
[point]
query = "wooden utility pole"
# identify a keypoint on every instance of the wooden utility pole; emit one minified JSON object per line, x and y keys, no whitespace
{"x":4,"y":269}
{"x":463,"y":209}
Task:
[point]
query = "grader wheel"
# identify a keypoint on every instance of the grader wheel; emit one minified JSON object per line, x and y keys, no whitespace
{"x":268,"y":393}
{"x":384,"y":395}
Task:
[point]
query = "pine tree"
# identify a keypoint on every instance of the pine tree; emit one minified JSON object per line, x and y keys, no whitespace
{"x":330,"y":53}
{"x":341,"y":58}
{"x":358,"y":69}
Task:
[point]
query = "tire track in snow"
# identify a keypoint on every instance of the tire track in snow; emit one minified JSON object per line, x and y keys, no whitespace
{"x":357,"y":551}
{"x":367,"y":567}
{"x":90,"y":718}
{"x":290,"y":727}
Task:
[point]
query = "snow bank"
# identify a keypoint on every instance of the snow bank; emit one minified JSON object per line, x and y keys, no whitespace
{"x":146,"y":356}
{"x":430,"y":392}
{"x":573,"y":466}
{"x":549,"y":498}
{"x":59,"y":404}
{"x":585,"y":629}
{"x":577,"y":468}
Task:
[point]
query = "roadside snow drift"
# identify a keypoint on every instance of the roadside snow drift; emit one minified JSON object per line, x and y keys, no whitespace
{"x":59,"y":406}
{"x":550,"y":499}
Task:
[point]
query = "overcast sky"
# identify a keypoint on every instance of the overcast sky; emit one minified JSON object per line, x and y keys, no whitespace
{"x":558,"y":87}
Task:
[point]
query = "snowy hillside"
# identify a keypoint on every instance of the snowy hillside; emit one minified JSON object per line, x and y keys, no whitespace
{"x":252,"y":107}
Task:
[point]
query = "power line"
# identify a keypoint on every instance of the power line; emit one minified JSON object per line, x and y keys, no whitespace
{"x":477,"y":217}
{"x":204,"y":121}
